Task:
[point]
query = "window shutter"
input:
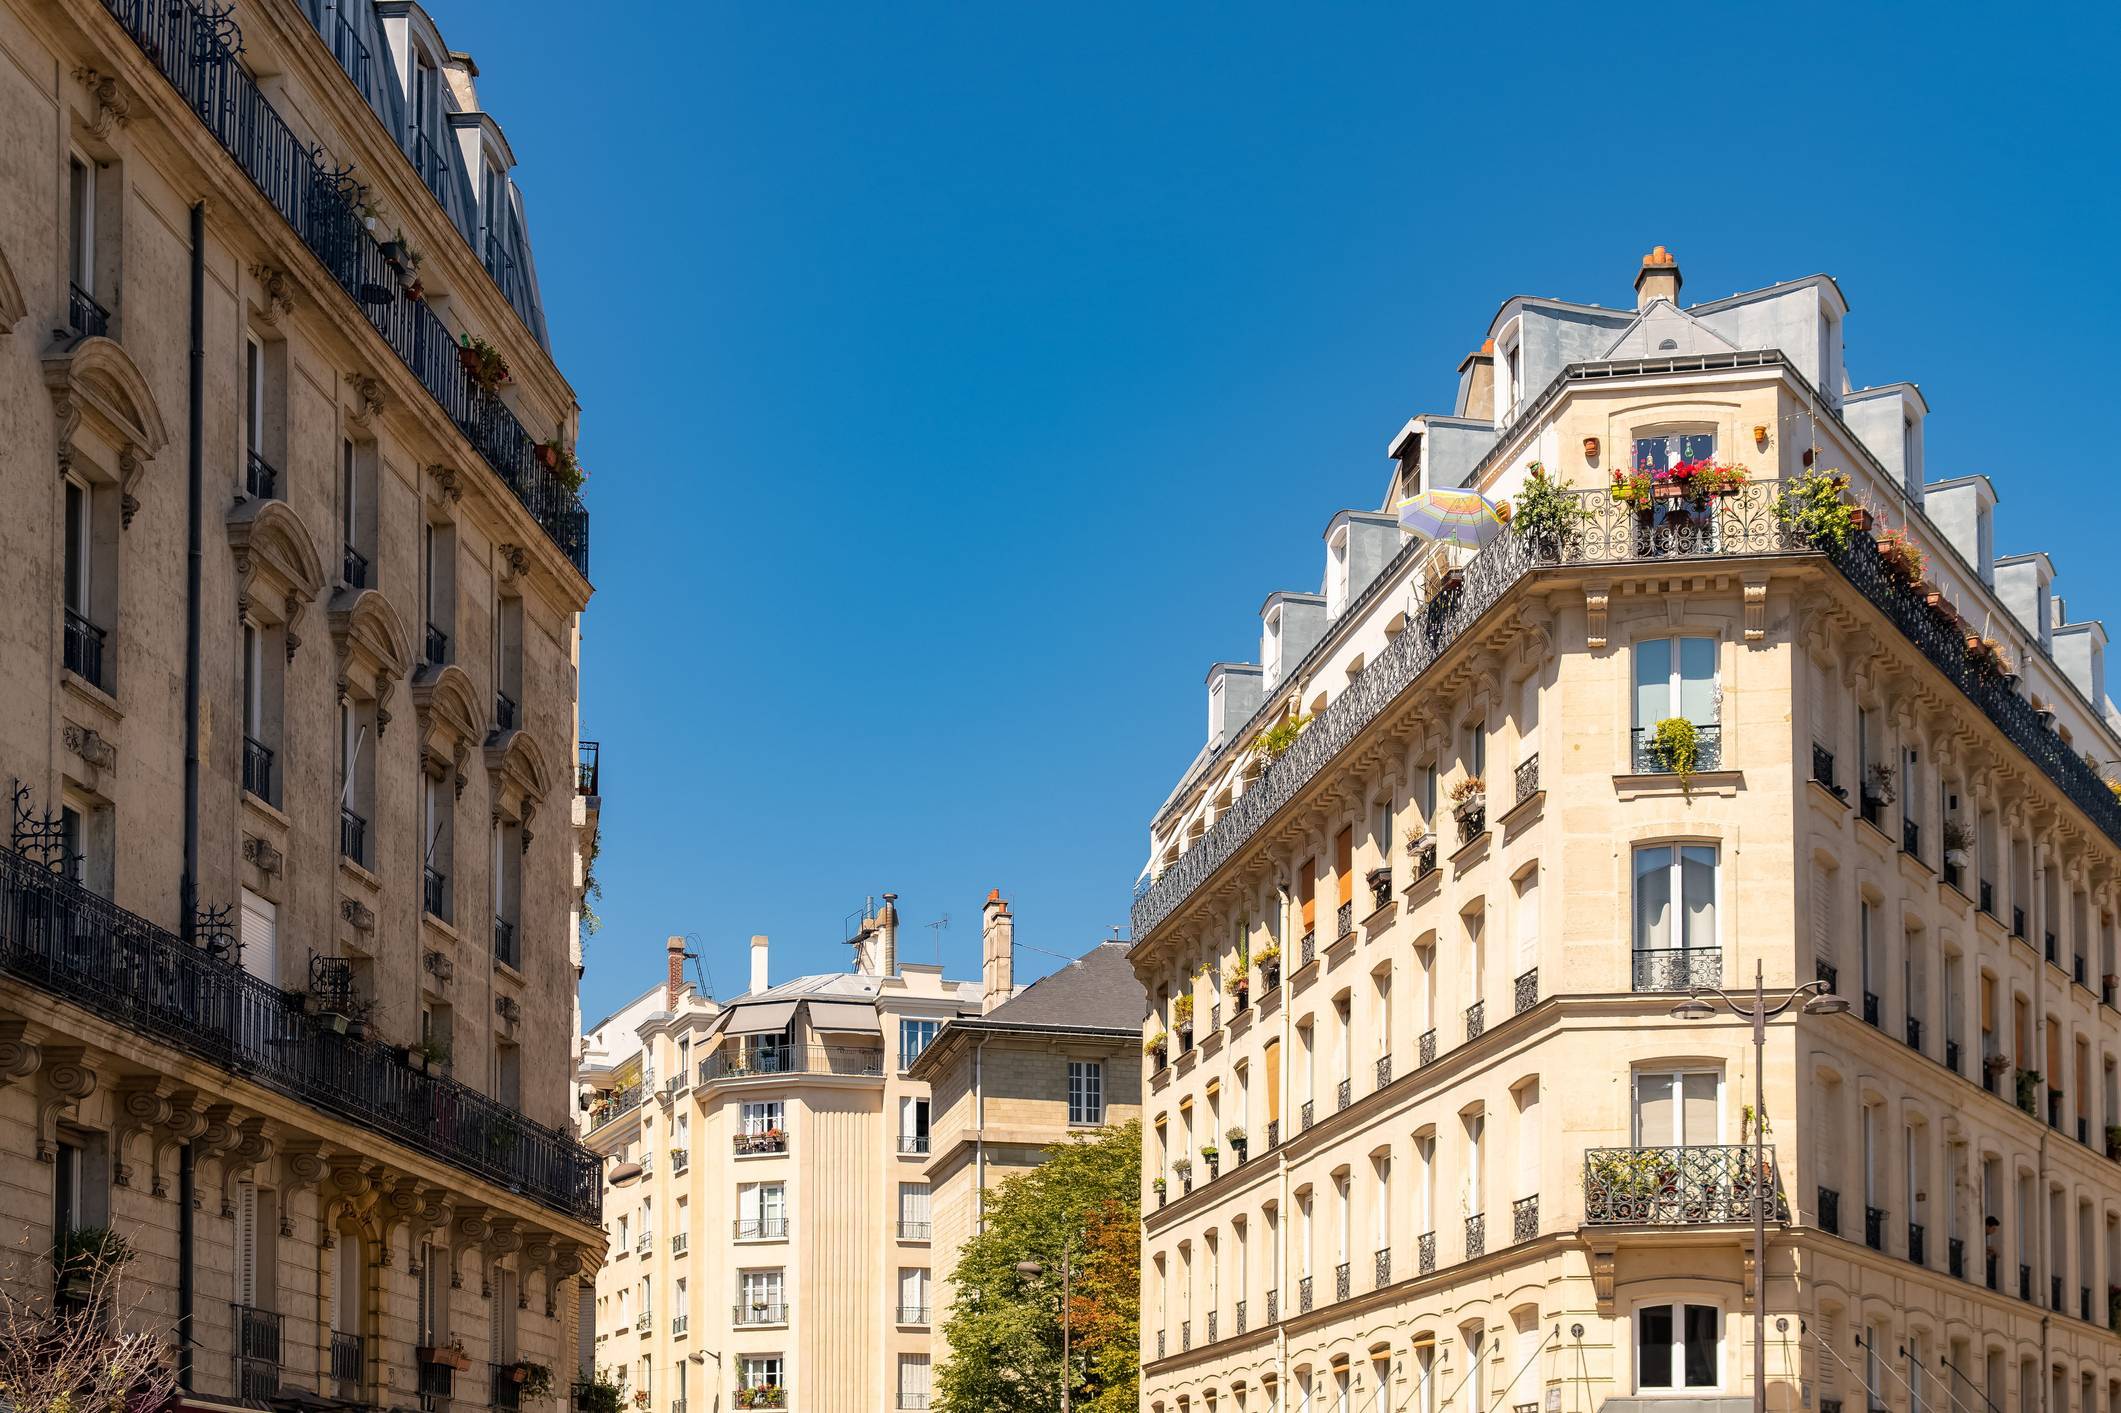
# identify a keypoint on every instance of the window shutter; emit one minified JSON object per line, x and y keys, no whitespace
{"x":1822,"y":912}
{"x":1820,"y":705}
{"x":1528,"y":720}
{"x":246,"y":1243}
{"x":1528,"y":923}
{"x":1344,"y":864}
{"x":260,"y":938}
{"x":1273,"y":1065}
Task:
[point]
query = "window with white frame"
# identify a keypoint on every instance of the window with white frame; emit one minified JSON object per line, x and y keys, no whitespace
{"x":1678,"y":1346}
{"x":1675,"y":677}
{"x":912,"y":1124}
{"x":762,"y":1211}
{"x":1675,"y":917}
{"x":1678,"y":1108}
{"x":759,"y":1370}
{"x":760,"y":1297}
{"x":913,"y":1295}
{"x":1086,"y":1092}
{"x":762,"y":1116}
{"x":1661,"y":451}
{"x":913,"y":1381}
{"x":914,"y":1036}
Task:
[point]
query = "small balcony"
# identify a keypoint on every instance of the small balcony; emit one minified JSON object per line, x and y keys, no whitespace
{"x":1425,"y":1253}
{"x":1874,"y":1228}
{"x":1823,"y":770}
{"x":1384,"y":1070}
{"x":349,"y":1362}
{"x":915,"y":1231}
{"x":1343,"y":1281}
{"x":760,"y":1312}
{"x":1344,"y":920}
{"x":1307,"y":950}
{"x":1527,"y":778}
{"x":1303,"y":1118}
{"x":772,"y":1140}
{"x":913,"y":1314}
{"x":1476,"y":1235}
{"x":1303,"y":1296}
{"x":1829,"y":1211}
{"x":679,"y":1324}
{"x":1425,"y":1049}
{"x":680,"y":1159}
{"x":1381,"y":1270}
{"x":1677,"y":968}
{"x":436,"y":648}
{"x":1652,"y":759}
{"x":1476,"y":1020}
{"x":767,"y":1061}
{"x":257,"y":1348}
{"x":257,"y":769}
{"x":437,"y":1383}
{"x":644,"y":1322}
{"x":261,"y":479}
{"x":434,"y":892}
{"x":644,"y":1243}
{"x":86,"y":317}
{"x":1343,"y":1095}
{"x":504,"y":712}
{"x":587,"y":776}
{"x":506,"y":1385}
{"x":1524,"y":1219}
{"x":1918,"y":1243}
{"x":504,"y":943}
{"x":680,"y":1244}
{"x":913,"y":1143}
{"x":353,"y":837}
{"x":1525,"y":992}
{"x":1684,"y":1186}
{"x":759,"y":1229}
{"x":83,"y":648}
{"x":353,"y":567}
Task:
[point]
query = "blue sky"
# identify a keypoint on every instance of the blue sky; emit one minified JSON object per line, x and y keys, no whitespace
{"x":957,"y":381}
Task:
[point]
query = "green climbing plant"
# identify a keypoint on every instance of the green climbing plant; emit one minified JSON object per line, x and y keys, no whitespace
{"x":1677,"y":742}
{"x":1817,"y":505}
{"x":1274,"y":742}
{"x":1546,"y":513}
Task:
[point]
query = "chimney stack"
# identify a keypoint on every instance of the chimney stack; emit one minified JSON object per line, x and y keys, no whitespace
{"x":887,"y":935}
{"x":1658,"y":279}
{"x":674,"y":976}
{"x":997,"y":951}
{"x":758,"y":964}
{"x":1476,"y":381}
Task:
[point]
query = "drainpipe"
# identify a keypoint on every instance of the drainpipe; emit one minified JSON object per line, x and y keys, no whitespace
{"x":194,"y":562}
{"x":187,"y":1178}
{"x":979,"y":1139}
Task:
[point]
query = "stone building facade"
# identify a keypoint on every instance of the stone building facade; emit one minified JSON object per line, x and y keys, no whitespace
{"x":1423,"y":1130}
{"x":270,"y":967}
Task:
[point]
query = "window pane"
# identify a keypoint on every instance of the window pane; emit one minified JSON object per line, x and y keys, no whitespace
{"x":1653,"y":898}
{"x":1653,"y":1347}
{"x":1697,"y":882}
{"x":1701,"y":1321}
{"x":1698,"y":1121}
{"x":1697,"y":446}
{"x":1652,"y":453}
{"x":1697,"y":680}
{"x":1654,"y":1118}
{"x":1653,"y":681}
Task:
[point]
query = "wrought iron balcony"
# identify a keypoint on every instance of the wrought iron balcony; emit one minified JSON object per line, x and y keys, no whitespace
{"x":1917,"y":1243}
{"x":1273,"y":1133}
{"x":2054,"y":1294}
{"x":1185,"y":1335}
{"x":678,"y":1324}
{"x":2017,"y":922}
{"x":1472,"y":817}
{"x":435,"y":652}
{"x":1823,"y":769}
{"x":1384,"y":1070}
{"x":1343,"y":1281}
{"x":1343,"y":1094}
{"x":1303,"y":1122}
{"x":1307,"y":952}
{"x":681,"y":1242}
{"x":1527,"y":777}
{"x":353,"y":567}
{"x":759,"y":1229}
{"x":59,"y":937}
{"x":1423,"y":852}
{"x":1873,"y":1009}
{"x":915,"y":1231}
{"x":504,"y":943}
{"x":680,"y":1159}
{"x":1828,"y":973}
{"x":766,"y":1062}
{"x":348,"y":1358}
{"x":1476,"y":1235}
{"x":750,"y":1141}
{"x":1425,"y":1253}
{"x":2050,"y":949}
{"x":1677,"y":968}
{"x":1990,"y":1274}
{"x":644,"y":1244}
{"x":615,"y":1103}
{"x":1303,"y":1296}
{"x":1476,"y":1020}
{"x":436,"y":1382}
{"x":507,"y":1391}
{"x":257,"y":1351}
{"x":760,"y":1312}
{"x":1953,"y":1056}
{"x":1955,"y":1256}
{"x":586,"y":774}
{"x":913,"y":1143}
{"x":83,"y":648}
{"x":1914,"y":1032}
{"x":1910,"y":837}
{"x":1380,"y":881}
{"x":2025,"y":1283}
{"x":1344,"y":919}
{"x":86,"y":317}
{"x":913,"y":1314}
{"x":261,"y":481}
{"x":196,"y":48}
{"x":1425,"y":1048}
{"x":1273,"y":1306}
{"x":257,"y":769}
{"x":1650,"y":758}
{"x":1527,"y":991}
{"x":1987,"y":900}
{"x":1874,"y":1228}
{"x":428,"y":161}
{"x":1524,"y":1219}
{"x":1381,"y":1271}
{"x":504,"y":712}
{"x":1239,"y":1314}
{"x":434,"y":892}
{"x":1829,"y":1211}
{"x":1668,"y":1186}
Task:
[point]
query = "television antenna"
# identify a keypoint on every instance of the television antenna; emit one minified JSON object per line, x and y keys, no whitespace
{"x":939,"y":927}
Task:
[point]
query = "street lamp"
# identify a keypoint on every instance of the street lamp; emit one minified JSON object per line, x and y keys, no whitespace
{"x":1816,"y":1000}
{"x":1034,"y":1270}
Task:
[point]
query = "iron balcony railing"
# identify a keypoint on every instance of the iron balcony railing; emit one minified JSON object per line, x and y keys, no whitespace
{"x":504,"y":943}
{"x":428,"y":161}
{"x":1476,"y":1020}
{"x":504,"y":712}
{"x":348,"y":1360}
{"x":765,"y":1062}
{"x":353,"y":567}
{"x":57,"y":935}
{"x":1740,"y":525}
{"x":353,"y":836}
{"x":1384,"y":1070}
{"x":1476,"y":1235}
{"x":1343,"y":920}
{"x":1675,"y":1186}
{"x":1528,"y":777}
{"x":84,"y":649}
{"x":759,"y":1229}
{"x":1524,"y":1219}
{"x":1677,"y":968}
{"x":260,"y":480}
{"x":1343,"y":1095}
{"x":257,"y":769}
{"x":434,"y":892}
{"x":195,"y":46}
{"x":1273,"y":1306}
{"x":915,"y":1231}
{"x":507,"y":1390}
{"x":1303,"y":1296}
{"x":1830,"y":1211}
{"x":644,"y":1243}
{"x":913,"y":1143}
{"x":680,"y":1159}
{"x":435,"y":652}
{"x":586,"y":780}
{"x":1303,"y":1117}
{"x":1308,"y":950}
{"x":1239,"y":1314}
{"x":1527,"y":991}
{"x":1343,"y":1281}
{"x":87,"y":318}
{"x":257,"y":1341}
{"x":1651,"y":758}
{"x":1381,"y":1268}
{"x":1425,"y":1253}
{"x":913,"y":1314}
{"x":1425,"y":1048}
{"x":1185,"y":1335}
{"x":1917,"y":1243}
{"x":1823,"y":769}
{"x":680,"y":1243}
{"x":644,"y":1322}
{"x":1874,"y":1228}
{"x":615,"y":1104}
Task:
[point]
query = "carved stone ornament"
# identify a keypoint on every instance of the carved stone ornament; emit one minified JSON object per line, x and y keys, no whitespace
{"x":447,"y":482}
{"x":368,"y":398}
{"x":142,"y":1107}
{"x":278,"y":287}
{"x":514,"y":561}
{"x":112,"y":105}
{"x":88,"y":743}
{"x":67,"y":1080}
{"x":19,"y":1055}
{"x":358,"y":915}
{"x":1597,"y":597}
{"x":265,"y":856}
{"x":1755,"y":619}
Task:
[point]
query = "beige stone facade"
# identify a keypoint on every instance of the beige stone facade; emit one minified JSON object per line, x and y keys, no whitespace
{"x":1042,"y":1065}
{"x":780,"y":1230}
{"x":1483,"y":1166}
{"x":317,"y":1027}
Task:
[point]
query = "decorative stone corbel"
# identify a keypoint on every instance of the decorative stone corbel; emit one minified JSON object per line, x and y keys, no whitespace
{"x":446,"y":482}
{"x":291,"y":618}
{"x":142,"y":1108}
{"x":357,"y":914}
{"x":254,"y":1148}
{"x":368,"y":398}
{"x":278,"y":287}
{"x":67,"y":1080}
{"x":467,"y":1232}
{"x":218,"y":1136}
{"x":130,"y":465}
{"x":184,"y":1122}
{"x":305,"y":1162}
{"x":19,"y":1055}
{"x":88,"y":743}
{"x":113,"y":107}
{"x":264,"y":855}
{"x":1603,"y":1260}
{"x":514,"y":561}
{"x":1597,"y":596}
{"x":1755,"y":617}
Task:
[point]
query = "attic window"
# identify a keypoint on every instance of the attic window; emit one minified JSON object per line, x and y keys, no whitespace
{"x":1666,"y":345}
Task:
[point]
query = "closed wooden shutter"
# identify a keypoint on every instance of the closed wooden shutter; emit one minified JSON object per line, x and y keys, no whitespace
{"x":246,"y":1243}
{"x":260,"y":938}
{"x":1307,"y":893}
{"x":1344,"y":864}
{"x":1820,"y":704}
{"x":1528,"y":923}
{"x":1822,"y":912}
{"x":1273,"y":1061}
{"x":1528,"y":720}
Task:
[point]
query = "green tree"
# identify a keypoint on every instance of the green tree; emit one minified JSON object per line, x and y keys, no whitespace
{"x":1004,"y":1326}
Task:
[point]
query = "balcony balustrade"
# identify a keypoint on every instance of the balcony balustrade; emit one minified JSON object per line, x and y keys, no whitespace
{"x":261,"y":479}
{"x":1423,"y":852}
{"x":1677,"y":968}
{"x":644,"y":1243}
{"x":2025,"y":1283}
{"x":1873,"y":1009}
{"x":1910,"y":838}
{"x":1917,"y":1243}
{"x":1303,"y":1296}
{"x":434,"y":892}
{"x":1212,"y":1335}
{"x":1476,"y":1235}
{"x":1425,"y":1253}
{"x":759,"y":1141}
{"x":83,"y":315}
{"x":915,"y":1231}
{"x":680,"y":1243}
{"x":614,"y":1104}
{"x":83,"y":649}
{"x":760,"y":1312}
{"x":1955,"y":1256}
{"x":1308,"y":952}
{"x":1425,"y":1048}
{"x":1381,"y":1269}
{"x":257,"y":1353}
{"x":435,"y":652}
{"x":1527,"y":777}
{"x":504,"y":712}
{"x":767,"y":1062}
{"x":257,"y":769}
{"x":1476,"y":1020}
{"x":1303,"y":1124}
{"x":1524,"y":1219}
{"x":1825,"y":971}
{"x":1668,"y":1186}
{"x":349,"y":1362}
{"x":1185,"y":1335}
{"x":588,"y":777}
{"x":680,"y":1159}
{"x":504,"y":943}
{"x":913,"y":1143}
{"x":1384,"y":1070}
{"x":1526,"y":991}
{"x":1239,"y":1317}
{"x":1651,"y":759}
{"x":353,"y":567}
{"x":1472,"y":817}
{"x":1344,"y":919}
{"x":759,"y":1229}
{"x":1829,"y":1211}
{"x":1343,"y":1095}
{"x":1874,"y":1228}
{"x":507,"y":1391}
{"x":913,"y":1314}
{"x":1273,"y":1306}
{"x":1343,"y":1281}
{"x":1273,"y":1133}
{"x":353,"y":836}
{"x":1823,"y":769}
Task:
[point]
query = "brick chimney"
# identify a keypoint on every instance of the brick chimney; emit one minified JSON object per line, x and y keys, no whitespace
{"x":1476,"y":381}
{"x":674,"y":975}
{"x":758,"y":964}
{"x":1658,"y":278}
{"x":997,"y":952}
{"x":887,"y":936}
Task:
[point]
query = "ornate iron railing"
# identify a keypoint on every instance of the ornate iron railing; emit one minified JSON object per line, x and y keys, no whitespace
{"x":616,"y":1104}
{"x":1823,"y":769}
{"x":504,"y":943}
{"x":1384,"y":1070}
{"x":1273,"y":1306}
{"x":257,"y":769}
{"x":1239,"y":1314}
{"x":196,"y":48}
{"x":587,"y":775}
{"x":1425,"y":1253}
{"x":88,"y":318}
{"x":1185,"y":1335}
{"x":260,"y":479}
{"x":1476,"y":1235}
{"x":83,"y":647}
{"x":1344,"y":920}
{"x":62,"y":938}
{"x":257,"y":1352}
{"x":1651,"y":759}
{"x":1527,"y":991}
{"x":1303,"y":1118}
{"x":1674,"y":1186}
{"x":1303,"y":1296}
{"x":1524,"y":1219}
{"x":1343,"y":1095}
{"x":1476,"y":1020}
{"x":1343,"y":1281}
{"x":765,"y":1062}
{"x":348,"y":1361}
{"x":1425,"y":1048}
{"x":762,"y":1312}
{"x":1677,"y":968}
{"x":353,"y":567}
{"x":1528,"y":777}
{"x":1382,"y":1271}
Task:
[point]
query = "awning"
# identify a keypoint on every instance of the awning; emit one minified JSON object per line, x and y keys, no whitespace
{"x":843,"y":1015}
{"x":761,"y":1018}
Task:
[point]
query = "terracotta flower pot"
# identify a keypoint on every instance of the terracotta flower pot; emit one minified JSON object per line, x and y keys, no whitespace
{"x":1861,"y":519}
{"x":1590,"y":448}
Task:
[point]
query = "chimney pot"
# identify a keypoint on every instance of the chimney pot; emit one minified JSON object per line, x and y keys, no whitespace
{"x":1659,"y":278}
{"x":758,"y":963}
{"x":674,"y":972}
{"x":997,"y":952}
{"x":887,"y":934}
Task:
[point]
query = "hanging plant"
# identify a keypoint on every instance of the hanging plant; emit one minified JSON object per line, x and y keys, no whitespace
{"x":1182,"y":1009}
{"x":482,"y":362}
{"x":1677,"y":742}
{"x":1817,"y":506}
{"x":558,"y":458}
{"x":1631,"y":489}
{"x":1880,"y":779}
{"x":1155,"y":1042}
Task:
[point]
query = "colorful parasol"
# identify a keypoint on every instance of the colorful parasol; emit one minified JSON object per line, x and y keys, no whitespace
{"x":1451,"y":516}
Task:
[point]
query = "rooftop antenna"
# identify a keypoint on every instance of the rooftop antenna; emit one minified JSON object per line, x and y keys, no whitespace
{"x":695,"y":952}
{"x":938,"y":927}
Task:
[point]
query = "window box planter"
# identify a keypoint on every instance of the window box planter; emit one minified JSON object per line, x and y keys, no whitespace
{"x":447,"y":1356}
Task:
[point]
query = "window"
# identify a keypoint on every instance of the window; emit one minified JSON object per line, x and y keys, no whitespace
{"x":762,"y":1211}
{"x":1678,"y":1108}
{"x":356,"y":777}
{"x":913,"y":1295}
{"x":1675,"y":947}
{"x":1675,"y":677}
{"x":356,"y":511}
{"x":1676,"y":1347}
{"x":1086,"y":1092}
{"x":913,"y":1212}
{"x":263,"y":657}
{"x":508,"y":1074}
{"x":759,"y":1298}
{"x":912,"y":1125}
{"x":508,"y":662}
{"x":759,"y":1370}
{"x":438,"y":574}
{"x":1660,"y":451}
{"x":437,"y":814}
{"x":67,"y":1214}
{"x":761,"y":1116}
{"x":913,"y":1384}
{"x":81,"y":224}
{"x":258,"y":940}
{"x":87,"y":598}
{"x":913,"y":1037}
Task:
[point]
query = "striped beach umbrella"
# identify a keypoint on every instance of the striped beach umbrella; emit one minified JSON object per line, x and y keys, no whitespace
{"x":1451,"y":516}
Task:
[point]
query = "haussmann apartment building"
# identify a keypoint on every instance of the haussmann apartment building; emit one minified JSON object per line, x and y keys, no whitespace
{"x":296,"y":561}
{"x":1422,"y":1130}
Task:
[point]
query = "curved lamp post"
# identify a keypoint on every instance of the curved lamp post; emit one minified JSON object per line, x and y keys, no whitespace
{"x":1816,"y":1000}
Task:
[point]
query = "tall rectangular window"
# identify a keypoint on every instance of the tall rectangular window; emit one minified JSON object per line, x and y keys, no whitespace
{"x":1676,"y":944}
{"x":1677,"y":1108}
{"x":1676,"y":1346}
{"x":1086,"y":1092}
{"x":81,"y":223}
{"x":914,"y":1037}
{"x":1675,"y":677}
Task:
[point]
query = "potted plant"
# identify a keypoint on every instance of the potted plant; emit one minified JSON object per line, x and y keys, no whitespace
{"x":2029,"y":1082}
{"x":1239,"y":983}
{"x":1590,"y":448}
{"x":1958,"y":842}
{"x":1274,"y":742}
{"x":1717,"y":478}
{"x":1236,"y":1135}
{"x":451,"y":1355}
{"x":1676,"y":741}
{"x":1547,"y":515}
{"x":2113,"y":1140}
{"x":1268,"y":960}
{"x":1879,"y":782}
{"x":84,"y":1254}
{"x":534,"y":1379}
{"x":1986,"y":657}
{"x":1901,"y":558}
{"x":1183,"y":1167}
{"x":762,"y":1396}
{"x":1673,"y":484}
{"x":482,"y":362}
{"x":434,"y":1055}
{"x":1154,"y":1048}
{"x":1210,"y":1155}
{"x":1469,"y":795}
{"x":1631,"y":489}
{"x":602,"y":1394}
{"x":1182,"y":1019}
{"x":1817,"y":506}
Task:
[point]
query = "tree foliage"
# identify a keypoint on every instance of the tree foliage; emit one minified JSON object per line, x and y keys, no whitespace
{"x":1004,"y":1327}
{"x":84,"y":1348}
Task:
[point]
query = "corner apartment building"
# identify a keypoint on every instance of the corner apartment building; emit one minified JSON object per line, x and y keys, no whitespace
{"x":1040,"y":1065}
{"x":771,"y":1225}
{"x":296,"y":830}
{"x":1426,"y":957}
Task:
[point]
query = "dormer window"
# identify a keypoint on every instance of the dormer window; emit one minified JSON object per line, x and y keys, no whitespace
{"x":1270,"y":647}
{"x":1337,"y":572}
{"x":493,"y":211}
{"x":1509,"y":372}
{"x":1661,"y":451}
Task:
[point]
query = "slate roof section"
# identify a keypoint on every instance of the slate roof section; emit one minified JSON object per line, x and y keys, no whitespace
{"x":1096,"y":991}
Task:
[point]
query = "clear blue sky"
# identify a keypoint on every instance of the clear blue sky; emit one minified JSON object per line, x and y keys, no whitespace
{"x":958,"y":380}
